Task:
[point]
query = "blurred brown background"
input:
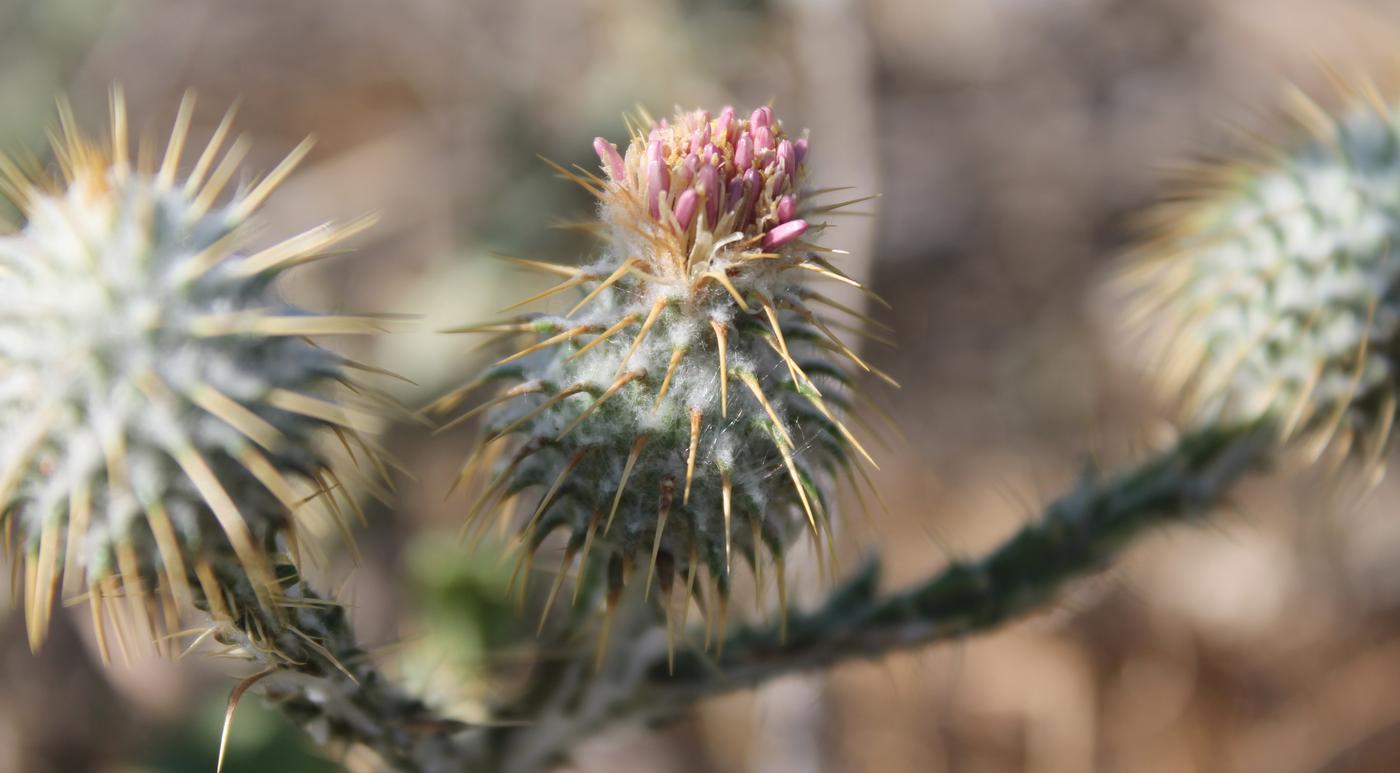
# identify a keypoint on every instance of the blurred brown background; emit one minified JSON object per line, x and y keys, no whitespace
{"x":1012,"y":140}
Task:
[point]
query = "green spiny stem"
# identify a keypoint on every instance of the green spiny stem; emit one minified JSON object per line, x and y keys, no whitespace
{"x":324,"y":682}
{"x":568,"y":700}
{"x":1078,"y":534}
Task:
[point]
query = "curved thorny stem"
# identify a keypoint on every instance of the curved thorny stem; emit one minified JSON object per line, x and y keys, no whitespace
{"x":568,"y":700}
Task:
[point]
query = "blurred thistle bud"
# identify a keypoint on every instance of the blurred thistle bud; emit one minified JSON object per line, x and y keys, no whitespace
{"x":1272,"y":289}
{"x":686,"y":407}
{"x":163,"y":411}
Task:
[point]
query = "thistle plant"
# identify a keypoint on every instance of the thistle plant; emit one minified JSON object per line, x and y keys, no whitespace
{"x":170,"y":429}
{"x":1272,"y":287}
{"x":686,"y":407}
{"x":165,"y":415}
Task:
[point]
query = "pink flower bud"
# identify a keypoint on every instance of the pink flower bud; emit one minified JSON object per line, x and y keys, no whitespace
{"x":686,"y":172}
{"x":743,"y":153}
{"x":783,"y":234}
{"x":707,"y":181}
{"x":787,"y":209}
{"x":686,"y":204}
{"x":612,"y":162}
{"x":726,"y":117}
{"x":752,"y":182}
{"x":763,"y":116}
{"x":700,"y":139}
{"x":762,"y":140}
{"x":799,"y":150}
{"x":787,"y":156}
{"x":658,"y":184}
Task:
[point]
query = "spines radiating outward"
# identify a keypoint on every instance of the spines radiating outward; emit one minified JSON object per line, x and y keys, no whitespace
{"x":164,"y":412}
{"x":686,"y":407}
{"x":1275,"y":288}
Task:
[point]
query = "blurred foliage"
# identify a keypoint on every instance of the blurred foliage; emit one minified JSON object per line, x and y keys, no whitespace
{"x":260,"y":741}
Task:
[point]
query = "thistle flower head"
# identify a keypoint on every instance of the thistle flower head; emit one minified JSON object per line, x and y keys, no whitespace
{"x":1276,"y":291}
{"x":162,"y":408}
{"x":696,"y":194}
{"x":686,"y":408}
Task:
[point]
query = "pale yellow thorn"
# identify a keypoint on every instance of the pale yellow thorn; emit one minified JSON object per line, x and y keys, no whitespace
{"x":244,"y":323}
{"x":554,"y":588}
{"x":169,"y":548}
{"x":220,"y":177}
{"x":573,"y":281}
{"x":841,"y":427}
{"x":135,"y":589}
{"x":729,"y":287}
{"x":99,"y":628}
{"x":236,"y":415}
{"x":270,"y":477}
{"x":602,"y":650}
{"x":176,"y":147}
{"x":583,"y":556}
{"x":528,"y":388}
{"x":752,"y":383}
{"x":813,"y":295}
{"x":45,"y":585}
{"x":631,"y":462}
{"x":213,"y":592}
{"x":642,"y":334}
{"x":302,"y":248}
{"x":120,"y":151}
{"x":537,"y":410}
{"x":617,"y":385}
{"x":612,"y":279}
{"x":726,"y":495}
{"x":695,"y":418}
{"x":781,"y":573}
{"x":692,"y":563}
{"x":110,"y":604}
{"x":772,"y":313}
{"x":668,"y":489}
{"x":553,"y":491}
{"x":567,"y":335}
{"x":539,"y":265}
{"x":255,"y":198}
{"x":33,"y":435}
{"x":722,"y":345}
{"x":206,"y":157}
{"x":229,"y":518}
{"x":757,"y":537}
{"x":676,"y":355}
{"x":605,"y":335}
{"x":79,"y":515}
{"x":316,"y":408}
{"x":233,"y":699}
{"x":801,"y":490}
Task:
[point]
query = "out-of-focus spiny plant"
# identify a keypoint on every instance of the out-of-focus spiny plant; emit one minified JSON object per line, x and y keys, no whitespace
{"x":164,"y":414}
{"x":167,"y":422}
{"x":1270,"y":287}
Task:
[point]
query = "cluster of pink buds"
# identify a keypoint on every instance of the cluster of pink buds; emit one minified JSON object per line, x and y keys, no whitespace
{"x":724,"y":175}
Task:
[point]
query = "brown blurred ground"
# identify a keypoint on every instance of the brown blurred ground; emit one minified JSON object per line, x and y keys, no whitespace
{"x":1012,"y":139}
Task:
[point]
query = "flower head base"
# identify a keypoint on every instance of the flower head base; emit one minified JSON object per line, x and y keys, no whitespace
{"x":1276,"y":291}
{"x":163,"y":412}
{"x":685,"y":409}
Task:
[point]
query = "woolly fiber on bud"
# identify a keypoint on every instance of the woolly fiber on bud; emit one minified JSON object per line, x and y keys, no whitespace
{"x":1276,"y":288}
{"x":163,"y":411}
{"x":686,"y":408}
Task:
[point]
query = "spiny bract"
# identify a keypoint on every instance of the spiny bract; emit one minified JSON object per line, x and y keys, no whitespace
{"x":1277,"y":290}
{"x":161,"y":405}
{"x":686,"y":407}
